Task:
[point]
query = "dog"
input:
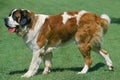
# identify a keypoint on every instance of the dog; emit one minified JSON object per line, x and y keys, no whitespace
{"x":44,"y":33}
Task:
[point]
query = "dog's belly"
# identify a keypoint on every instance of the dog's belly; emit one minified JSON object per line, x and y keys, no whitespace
{"x":59,"y":44}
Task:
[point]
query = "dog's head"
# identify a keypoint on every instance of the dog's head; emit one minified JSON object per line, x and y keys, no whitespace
{"x":19,"y":21}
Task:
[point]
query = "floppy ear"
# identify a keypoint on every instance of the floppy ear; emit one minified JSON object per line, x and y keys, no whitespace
{"x":25,"y":19}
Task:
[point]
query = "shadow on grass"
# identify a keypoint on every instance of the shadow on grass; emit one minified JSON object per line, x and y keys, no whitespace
{"x":77,"y":69}
{"x":18,"y":72}
{"x":115,"y":20}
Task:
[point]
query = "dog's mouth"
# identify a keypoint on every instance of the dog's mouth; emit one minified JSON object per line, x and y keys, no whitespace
{"x":11,"y":30}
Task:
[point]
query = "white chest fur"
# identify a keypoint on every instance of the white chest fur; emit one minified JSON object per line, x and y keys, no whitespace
{"x":31,"y":41}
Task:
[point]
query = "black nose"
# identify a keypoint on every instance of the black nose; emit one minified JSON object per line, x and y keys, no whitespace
{"x":6,"y":20}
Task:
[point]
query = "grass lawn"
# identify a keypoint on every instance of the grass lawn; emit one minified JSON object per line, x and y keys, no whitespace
{"x":15,"y":57}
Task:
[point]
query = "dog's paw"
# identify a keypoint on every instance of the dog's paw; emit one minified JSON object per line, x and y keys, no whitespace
{"x":27,"y":75}
{"x":81,"y":72}
{"x":46,"y":72}
{"x":111,"y":68}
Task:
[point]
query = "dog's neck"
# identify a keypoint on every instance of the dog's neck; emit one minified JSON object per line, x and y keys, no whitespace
{"x":29,"y":35}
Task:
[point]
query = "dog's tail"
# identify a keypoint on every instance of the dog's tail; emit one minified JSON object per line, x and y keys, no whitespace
{"x":105,"y":21}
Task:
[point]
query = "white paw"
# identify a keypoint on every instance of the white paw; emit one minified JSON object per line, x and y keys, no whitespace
{"x":111,"y":68}
{"x":81,"y":72}
{"x":27,"y":75}
{"x":46,"y":72}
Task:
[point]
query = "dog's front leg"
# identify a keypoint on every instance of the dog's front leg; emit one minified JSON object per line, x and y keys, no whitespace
{"x":48,"y":62}
{"x":36,"y":60}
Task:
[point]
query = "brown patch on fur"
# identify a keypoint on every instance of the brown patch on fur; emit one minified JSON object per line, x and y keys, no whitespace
{"x":72,"y":13}
{"x":54,"y":30}
{"x":88,"y":60}
{"x":90,"y":30}
{"x":41,"y":41}
{"x":33,"y":18}
{"x":18,"y":15}
{"x":34,"y":22}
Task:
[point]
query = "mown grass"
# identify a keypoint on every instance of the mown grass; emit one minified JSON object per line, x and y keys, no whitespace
{"x":67,"y":61}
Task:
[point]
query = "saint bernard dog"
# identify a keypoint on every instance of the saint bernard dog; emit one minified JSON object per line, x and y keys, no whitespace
{"x":44,"y":33}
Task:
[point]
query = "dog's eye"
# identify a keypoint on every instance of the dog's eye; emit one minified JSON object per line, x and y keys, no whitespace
{"x":15,"y":18}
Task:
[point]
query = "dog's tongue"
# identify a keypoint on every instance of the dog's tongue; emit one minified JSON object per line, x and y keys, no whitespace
{"x":11,"y":30}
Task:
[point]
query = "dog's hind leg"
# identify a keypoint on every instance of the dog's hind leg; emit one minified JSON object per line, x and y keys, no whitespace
{"x":85,"y":51}
{"x":83,"y":41}
{"x":105,"y":55}
{"x":48,"y":62}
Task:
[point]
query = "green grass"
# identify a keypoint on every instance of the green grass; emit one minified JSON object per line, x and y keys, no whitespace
{"x":67,"y":61}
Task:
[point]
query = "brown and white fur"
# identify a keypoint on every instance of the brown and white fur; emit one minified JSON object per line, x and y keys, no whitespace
{"x":44,"y":33}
